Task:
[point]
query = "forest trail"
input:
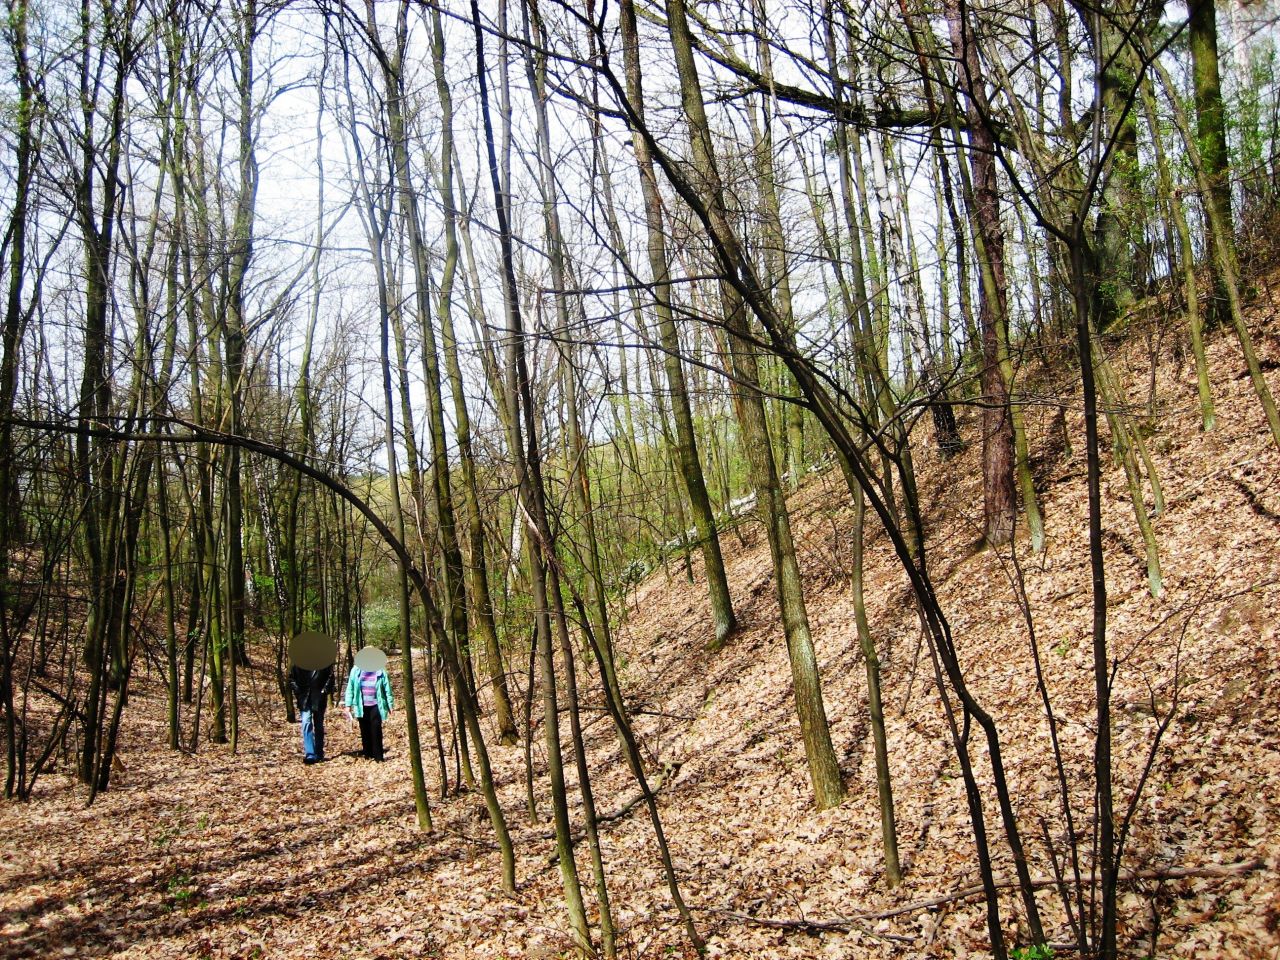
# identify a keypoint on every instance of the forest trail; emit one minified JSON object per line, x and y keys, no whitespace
{"x":253,"y":855}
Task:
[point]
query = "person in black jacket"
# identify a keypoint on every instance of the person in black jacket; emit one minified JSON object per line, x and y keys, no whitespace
{"x":311,"y":689}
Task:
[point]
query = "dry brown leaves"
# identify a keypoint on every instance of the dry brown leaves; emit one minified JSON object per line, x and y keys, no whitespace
{"x":253,"y":855}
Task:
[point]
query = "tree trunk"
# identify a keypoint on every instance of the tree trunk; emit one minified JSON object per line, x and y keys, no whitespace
{"x":478,"y":578}
{"x":824,"y":772}
{"x":687,"y":444}
{"x":998,"y":442}
{"x":1211,"y":127}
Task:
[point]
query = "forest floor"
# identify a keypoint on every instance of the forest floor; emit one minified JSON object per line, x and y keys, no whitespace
{"x":255,"y":855}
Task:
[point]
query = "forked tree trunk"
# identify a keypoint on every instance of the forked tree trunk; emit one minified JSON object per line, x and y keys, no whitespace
{"x":578,"y":479}
{"x":375,"y":218}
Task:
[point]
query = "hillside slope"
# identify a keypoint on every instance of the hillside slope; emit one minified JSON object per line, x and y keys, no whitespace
{"x":1210,"y":639}
{"x":249,"y":855}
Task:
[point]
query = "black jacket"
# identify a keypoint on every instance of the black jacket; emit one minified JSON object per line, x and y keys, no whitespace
{"x":311,"y":688}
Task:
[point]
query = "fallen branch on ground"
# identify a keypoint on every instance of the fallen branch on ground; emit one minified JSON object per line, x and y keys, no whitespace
{"x":668,"y":772}
{"x":845,"y":924}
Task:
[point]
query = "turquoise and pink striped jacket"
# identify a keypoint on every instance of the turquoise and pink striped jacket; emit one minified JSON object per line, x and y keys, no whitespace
{"x":355,"y":700}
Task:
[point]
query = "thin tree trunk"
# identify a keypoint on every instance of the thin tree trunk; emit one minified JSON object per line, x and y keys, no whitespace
{"x":824,"y":772}
{"x":478,"y":578}
{"x":15,"y":321}
{"x":1186,"y":259}
{"x":687,"y":445}
{"x":875,"y":707}
{"x":1211,"y":130}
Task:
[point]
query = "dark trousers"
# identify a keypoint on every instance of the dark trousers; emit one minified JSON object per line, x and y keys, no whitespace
{"x":371,"y":732}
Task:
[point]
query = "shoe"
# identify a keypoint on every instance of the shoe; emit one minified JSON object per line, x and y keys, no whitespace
{"x":310,"y":760}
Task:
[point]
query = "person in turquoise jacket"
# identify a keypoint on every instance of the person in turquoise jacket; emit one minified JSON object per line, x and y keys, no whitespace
{"x":368,"y":699}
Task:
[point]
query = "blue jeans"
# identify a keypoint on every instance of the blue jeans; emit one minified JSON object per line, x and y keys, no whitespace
{"x":313,"y":733}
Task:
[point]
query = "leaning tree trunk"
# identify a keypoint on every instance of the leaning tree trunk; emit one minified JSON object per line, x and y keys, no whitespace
{"x":521,"y":426}
{"x":1222,"y":251}
{"x":455,"y":605}
{"x":1186,"y":257}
